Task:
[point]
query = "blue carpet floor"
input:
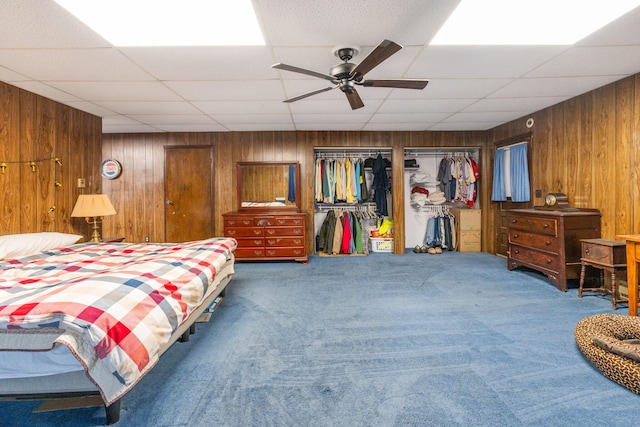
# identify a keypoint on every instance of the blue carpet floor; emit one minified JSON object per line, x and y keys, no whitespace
{"x":383,"y":340}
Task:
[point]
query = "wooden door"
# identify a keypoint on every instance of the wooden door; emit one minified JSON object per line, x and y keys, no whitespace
{"x":188,"y":205}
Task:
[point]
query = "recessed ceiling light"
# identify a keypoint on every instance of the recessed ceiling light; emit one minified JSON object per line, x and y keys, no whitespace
{"x":535,"y":22}
{"x":170,"y":22}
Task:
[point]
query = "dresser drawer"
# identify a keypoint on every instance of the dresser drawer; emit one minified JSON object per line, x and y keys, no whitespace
{"x":284,"y":231}
{"x":537,"y":241}
{"x":533,"y":257}
{"x":249,"y":252}
{"x":236,"y":221}
{"x":284,"y":252}
{"x":288,"y":220}
{"x":547,"y":226}
{"x":284,"y":241}
{"x":249,"y":242}
{"x":243,"y":231}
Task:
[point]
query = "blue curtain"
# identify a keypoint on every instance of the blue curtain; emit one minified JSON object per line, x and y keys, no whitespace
{"x":520,"y":190}
{"x":499,"y":192}
{"x":292,"y":184}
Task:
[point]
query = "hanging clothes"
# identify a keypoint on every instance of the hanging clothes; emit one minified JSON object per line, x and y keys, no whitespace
{"x":381,"y":185}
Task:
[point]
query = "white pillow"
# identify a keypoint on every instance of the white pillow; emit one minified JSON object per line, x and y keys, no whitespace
{"x":20,"y":245}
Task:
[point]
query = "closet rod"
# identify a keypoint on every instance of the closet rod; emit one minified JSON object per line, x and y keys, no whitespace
{"x":437,"y":150}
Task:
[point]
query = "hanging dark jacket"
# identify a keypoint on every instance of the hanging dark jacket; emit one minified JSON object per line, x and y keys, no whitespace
{"x":381,"y":185}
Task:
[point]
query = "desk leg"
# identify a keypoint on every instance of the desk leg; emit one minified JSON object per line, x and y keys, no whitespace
{"x":632,"y":278}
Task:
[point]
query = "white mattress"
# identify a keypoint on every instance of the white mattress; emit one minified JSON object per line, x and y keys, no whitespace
{"x":28,"y":364}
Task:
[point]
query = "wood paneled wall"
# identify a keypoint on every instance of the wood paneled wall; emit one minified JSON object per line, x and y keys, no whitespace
{"x":36,"y":129}
{"x":586,"y":147}
{"x":138,"y":195}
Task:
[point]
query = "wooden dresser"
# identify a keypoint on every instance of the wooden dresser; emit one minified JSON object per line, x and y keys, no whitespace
{"x":267,"y":236}
{"x":549,"y":241}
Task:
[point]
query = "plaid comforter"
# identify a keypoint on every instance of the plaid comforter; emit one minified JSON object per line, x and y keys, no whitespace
{"x":121,"y":300}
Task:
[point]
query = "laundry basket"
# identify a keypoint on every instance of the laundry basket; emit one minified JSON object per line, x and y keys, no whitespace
{"x":381,"y":244}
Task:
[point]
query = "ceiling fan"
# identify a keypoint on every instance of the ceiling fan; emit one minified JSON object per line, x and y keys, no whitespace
{"x":347,"y":75}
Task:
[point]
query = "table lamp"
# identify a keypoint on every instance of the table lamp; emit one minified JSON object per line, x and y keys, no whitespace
{"x":93,"y":207}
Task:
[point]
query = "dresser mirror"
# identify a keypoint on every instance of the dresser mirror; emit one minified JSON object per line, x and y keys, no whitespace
{"x":268,"y":186}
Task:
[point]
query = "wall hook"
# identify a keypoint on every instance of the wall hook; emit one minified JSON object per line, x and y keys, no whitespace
{"x":57,"y":184}
{"x":58,"y":161}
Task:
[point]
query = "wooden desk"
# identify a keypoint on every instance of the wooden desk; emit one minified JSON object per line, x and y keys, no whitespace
{"x":633,"y":258}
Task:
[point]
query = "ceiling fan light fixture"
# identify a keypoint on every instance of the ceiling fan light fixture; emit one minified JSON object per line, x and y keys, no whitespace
{"x":345,"y":53}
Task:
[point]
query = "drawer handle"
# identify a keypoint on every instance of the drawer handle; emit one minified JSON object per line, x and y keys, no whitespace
{"x":545,"y":225}
{"x":281,"y":221}
{"x":257,"y":242}
{"x":245,"y":222}
{"x":297,"y":241}
{"x":549,"y":261}
{"x":256,"y":232}
{"x":297,"y":252}
{"x":587,"y":252}
{"x":271,"y":241}
{"x":516,"y":251}
{"x":231,"y":222}
{"x":271,"y":232}
{"x":257,"y":253}
{"x":271,"y":252}
{"x":515,"y":236}
{"x":231,"y":232}
{"x":513,"y":221}
{"x":547,"y":243}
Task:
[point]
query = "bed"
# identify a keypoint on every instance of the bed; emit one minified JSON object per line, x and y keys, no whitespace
{"x":94,"y":318}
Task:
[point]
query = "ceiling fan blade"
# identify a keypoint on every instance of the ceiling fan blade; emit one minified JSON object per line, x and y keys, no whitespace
{"x":306,"y":95}
{"x":399,"y":83}
{"x":375,"y":57}
{"x":354,"y":99}
{"x":286,"y":67}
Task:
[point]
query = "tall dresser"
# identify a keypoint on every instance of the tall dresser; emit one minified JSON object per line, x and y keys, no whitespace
{"x":549,"y":241}
{"x":267,"y":236}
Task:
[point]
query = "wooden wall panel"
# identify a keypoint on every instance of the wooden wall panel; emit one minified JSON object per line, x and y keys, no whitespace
{"x":604,"y":149}
{"x":34,"y":128}
{"x":623,"y":146}
{"x":27,"y":123}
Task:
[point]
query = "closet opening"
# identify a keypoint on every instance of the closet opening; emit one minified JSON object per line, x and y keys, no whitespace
{"x":442,"y":199}
{"x":352,"y":200}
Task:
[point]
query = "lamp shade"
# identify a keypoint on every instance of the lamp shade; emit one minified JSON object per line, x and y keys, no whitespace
{"x":93,"y":205}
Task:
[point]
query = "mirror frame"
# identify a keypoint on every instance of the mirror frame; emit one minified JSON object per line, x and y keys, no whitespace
{"x":260,"y":209}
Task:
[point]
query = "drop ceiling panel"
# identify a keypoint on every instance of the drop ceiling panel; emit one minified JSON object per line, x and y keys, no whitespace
{"x":364,"y":22}
{"x":119,"y":91}
{"x":522,"y":105}
{"x":551,"y":86}
{"x":143,"y":108}
{"x":228,"y":90}
{"x":43,"y":24}
{"x":106,"y":64}
{"x":425,"y":105}
{"x":592,"y":61}
{"x":481,"y":61}
{"x":204,"y":63}
{"x":242,"y":107}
